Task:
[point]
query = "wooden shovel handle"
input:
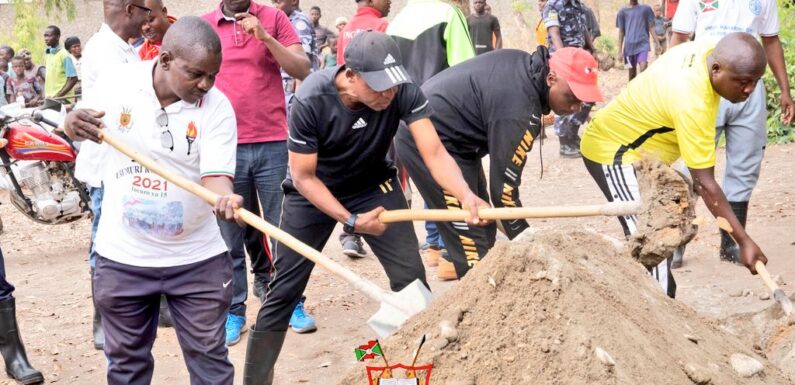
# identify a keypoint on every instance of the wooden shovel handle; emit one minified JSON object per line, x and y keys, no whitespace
{"x":360,"y":283}
{"x":724,"y":225}
{"x":608,"y":209}
{"x":762,"y":270}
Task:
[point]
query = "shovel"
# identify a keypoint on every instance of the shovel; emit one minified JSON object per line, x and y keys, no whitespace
{"x":778,"y":294}
{"x":396,"y":307}
{"x":607,"y":209}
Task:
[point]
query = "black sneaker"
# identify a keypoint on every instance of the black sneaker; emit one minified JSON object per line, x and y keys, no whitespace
{"x":353,"y":248}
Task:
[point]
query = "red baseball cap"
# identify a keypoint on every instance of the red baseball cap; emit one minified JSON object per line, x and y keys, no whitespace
{"x":578,"y":68}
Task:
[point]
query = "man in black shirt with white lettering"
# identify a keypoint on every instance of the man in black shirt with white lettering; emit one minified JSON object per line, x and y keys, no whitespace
{"x":492,"y":105}
{"x":342,"y":123}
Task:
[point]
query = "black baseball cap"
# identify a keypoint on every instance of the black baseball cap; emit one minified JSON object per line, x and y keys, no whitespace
{"x":377,"y":58}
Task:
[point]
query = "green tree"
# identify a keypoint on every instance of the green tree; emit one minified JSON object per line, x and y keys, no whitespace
{"x":777,"y":132}
{"x":30,"y":21}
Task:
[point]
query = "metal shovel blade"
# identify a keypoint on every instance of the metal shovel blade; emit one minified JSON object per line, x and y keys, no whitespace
{"x":783,"y":300}
{"x":397,"y":307}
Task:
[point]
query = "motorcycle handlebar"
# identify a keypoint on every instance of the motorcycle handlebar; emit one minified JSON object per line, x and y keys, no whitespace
{"x":39,"y":118}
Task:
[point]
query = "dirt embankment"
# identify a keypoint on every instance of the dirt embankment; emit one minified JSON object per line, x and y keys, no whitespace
{"x":569,"y":308}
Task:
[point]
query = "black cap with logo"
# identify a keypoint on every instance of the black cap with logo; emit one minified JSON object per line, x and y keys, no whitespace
{"x":377,"y":58}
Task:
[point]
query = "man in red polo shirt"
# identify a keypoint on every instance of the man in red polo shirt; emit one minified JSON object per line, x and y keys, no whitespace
{"x":250,"y":77}
{"x":369,"y":16}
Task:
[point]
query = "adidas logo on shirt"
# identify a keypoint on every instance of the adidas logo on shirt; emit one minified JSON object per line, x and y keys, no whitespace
{"x":359,"y":124}
{"x":389,"y":59}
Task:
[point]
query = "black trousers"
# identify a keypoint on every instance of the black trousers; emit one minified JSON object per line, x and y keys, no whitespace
{"x":396,"y":249}
{"x":199,"y":296}
{"x":6,"y":288}
{"x":620,"y":183}
{"x":465,"y":244}
{"x":257,"y":244}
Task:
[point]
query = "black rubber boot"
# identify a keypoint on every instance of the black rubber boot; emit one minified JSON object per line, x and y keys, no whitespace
{"x":17,"y":365}
{"x":261,"y":354}
{"x":729,"y":250}
{"x":164,"y":319}
{"x":99,"y":334}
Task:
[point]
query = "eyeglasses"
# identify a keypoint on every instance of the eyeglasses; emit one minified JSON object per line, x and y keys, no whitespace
{"x":145,"y":9}
{"x":166,"y":139}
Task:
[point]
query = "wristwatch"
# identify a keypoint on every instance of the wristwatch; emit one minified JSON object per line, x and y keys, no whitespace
{"x":349,"y":227}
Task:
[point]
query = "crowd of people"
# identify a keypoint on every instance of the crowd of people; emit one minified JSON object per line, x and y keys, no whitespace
{"x":311,"y":127}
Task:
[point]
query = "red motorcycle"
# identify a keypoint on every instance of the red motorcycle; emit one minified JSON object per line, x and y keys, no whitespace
{"x":38,"y":169}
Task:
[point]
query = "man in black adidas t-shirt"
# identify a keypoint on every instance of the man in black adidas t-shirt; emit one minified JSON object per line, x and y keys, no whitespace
{"x":492,"y":105}
{"x":342,"y":123}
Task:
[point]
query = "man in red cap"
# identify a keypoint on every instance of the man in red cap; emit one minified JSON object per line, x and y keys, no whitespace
{"x":474,"y":117}
{"x":669,"y":112}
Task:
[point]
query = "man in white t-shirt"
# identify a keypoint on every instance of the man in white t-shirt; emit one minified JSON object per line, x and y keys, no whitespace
{"x":745,"y":124}
{"x":155,"y":238}
{"x":105,"y":49}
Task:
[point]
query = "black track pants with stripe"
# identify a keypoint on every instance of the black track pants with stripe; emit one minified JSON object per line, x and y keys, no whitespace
{"x":620,"y":183}
{"x":397,"y":249}
{"x":465,"y":244}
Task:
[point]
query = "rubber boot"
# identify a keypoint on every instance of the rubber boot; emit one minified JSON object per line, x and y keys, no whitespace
{"x":17,"y":365}
{"x":99,"y":334}
{"x":729,"y":250}
{"x":261,"y":354}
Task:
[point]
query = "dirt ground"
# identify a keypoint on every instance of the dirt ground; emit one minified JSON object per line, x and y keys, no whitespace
{"x":49,"y":268}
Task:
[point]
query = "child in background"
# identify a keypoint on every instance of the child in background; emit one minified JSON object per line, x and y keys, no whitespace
{"x":3,"y":82}
{"x":18,"y":85}
{"x":661,"y":26}
{"x":330,"y":58}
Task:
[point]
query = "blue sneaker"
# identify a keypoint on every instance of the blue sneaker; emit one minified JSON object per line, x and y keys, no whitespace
{"x":235,"y":326}
{"x":301,"y":322}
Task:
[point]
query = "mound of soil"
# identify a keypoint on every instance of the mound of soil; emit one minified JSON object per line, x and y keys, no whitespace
{"x":666,"y":219}
{"x":568,"y":308}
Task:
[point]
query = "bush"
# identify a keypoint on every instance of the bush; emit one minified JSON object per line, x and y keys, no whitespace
{"x":30,"y":22}
{"x":777,"y":132}
{"x":608,"y":45}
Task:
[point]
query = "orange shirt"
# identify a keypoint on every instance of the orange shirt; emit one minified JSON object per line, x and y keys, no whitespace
{"x":150,"y":49}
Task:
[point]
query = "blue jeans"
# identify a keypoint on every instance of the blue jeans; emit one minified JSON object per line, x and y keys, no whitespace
{"x":6,"y":288}
{"x":264,"y":166}
{"x":96,"y":194}
{"x":433,"y":237}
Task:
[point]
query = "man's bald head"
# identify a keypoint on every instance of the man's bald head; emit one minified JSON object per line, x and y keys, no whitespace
{"x":736,"y":65}
{"x":742,"y":53}
{"x":189,"y":61}
{"x":191,"y":36}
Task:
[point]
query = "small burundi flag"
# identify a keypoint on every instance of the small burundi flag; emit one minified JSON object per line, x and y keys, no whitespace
{"x":369,"y":351}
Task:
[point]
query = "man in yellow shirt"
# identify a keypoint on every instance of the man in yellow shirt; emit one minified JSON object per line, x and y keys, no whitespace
{"x":669,"y":112}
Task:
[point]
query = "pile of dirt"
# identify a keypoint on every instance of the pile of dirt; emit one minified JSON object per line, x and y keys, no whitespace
{"x":568,"y":308}
{"x":770,"y":333}
{"x":666,"y":219}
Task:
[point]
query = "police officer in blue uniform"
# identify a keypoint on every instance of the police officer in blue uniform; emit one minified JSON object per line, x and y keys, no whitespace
{"x":567,"y":26}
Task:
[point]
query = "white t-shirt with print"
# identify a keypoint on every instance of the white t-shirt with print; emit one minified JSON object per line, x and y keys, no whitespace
{"x":147,"y":221}
{"x":714,"y":19}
